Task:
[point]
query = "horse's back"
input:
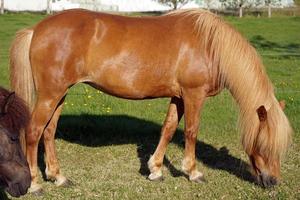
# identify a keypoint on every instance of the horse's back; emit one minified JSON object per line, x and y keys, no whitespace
{"x":125,"y":56}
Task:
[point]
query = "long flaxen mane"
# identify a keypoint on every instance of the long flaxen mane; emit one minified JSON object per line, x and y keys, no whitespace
{"x":241,"y":71}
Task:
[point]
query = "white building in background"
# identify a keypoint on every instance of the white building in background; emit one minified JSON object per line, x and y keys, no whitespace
{"x":21,"y":5}
{"x":111,"y":5}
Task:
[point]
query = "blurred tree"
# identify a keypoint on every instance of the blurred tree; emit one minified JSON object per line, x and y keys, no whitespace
{"x":235,"y":4}
{"x":240,"y":4}
{"x":2,"y":7}
{"x":208,"y":3}
{"x":174,"y":4}
{"x":269,"y":3}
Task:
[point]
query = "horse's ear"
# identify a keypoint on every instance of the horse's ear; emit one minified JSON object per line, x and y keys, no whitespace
{"x":262,"y":113}
{"x":8,"y":100}
{"x":282,"y":104}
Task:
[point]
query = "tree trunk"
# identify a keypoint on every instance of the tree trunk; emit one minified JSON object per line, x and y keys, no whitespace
{"x":241,"y":11}
{"x":269,"y":11}
{"x":2,"y":7}
{"x":175,"y":6}
{"x":48,"y":6}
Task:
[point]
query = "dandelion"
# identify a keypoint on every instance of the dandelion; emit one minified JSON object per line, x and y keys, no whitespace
{"x":89,"y":96}
{"x":291,"y":98}
{"x":66,"y":103}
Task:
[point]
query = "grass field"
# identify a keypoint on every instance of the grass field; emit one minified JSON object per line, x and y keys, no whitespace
{"x":104,"y":143}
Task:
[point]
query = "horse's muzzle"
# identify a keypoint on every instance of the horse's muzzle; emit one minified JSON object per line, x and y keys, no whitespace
{"x":19,"y":185}
{"x":17,"y":189}
{"x":266,"y":180}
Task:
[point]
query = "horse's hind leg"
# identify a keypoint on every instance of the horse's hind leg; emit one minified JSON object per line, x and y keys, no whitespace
{"x":193,"y":101}
{"x":52,"y":166}
{"x":174,"y":115}
{"x":41,"y":115}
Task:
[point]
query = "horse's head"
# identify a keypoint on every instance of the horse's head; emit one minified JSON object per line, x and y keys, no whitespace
{"x":14,"y":171}
{"x":271,"y":141}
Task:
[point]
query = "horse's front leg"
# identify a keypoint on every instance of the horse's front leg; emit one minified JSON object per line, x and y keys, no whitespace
{"x":174,"y":115}
{"x":193,"y":101}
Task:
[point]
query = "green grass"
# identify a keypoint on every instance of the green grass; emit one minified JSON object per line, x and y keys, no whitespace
{"x":104,"y":143}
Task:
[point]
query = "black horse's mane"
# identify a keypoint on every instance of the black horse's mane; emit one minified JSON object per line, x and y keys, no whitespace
{"x":17,"y":114}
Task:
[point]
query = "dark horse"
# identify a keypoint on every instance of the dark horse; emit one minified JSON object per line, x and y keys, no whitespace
{"x":186,"y":55}
{"x":14,"y":169}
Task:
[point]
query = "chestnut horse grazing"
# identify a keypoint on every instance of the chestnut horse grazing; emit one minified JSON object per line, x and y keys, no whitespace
{"x":186,"y":55}
{"x":14,"y":169}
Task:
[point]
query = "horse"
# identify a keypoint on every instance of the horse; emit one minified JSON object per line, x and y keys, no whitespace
{"x":186,"y":55}
{"x":14,"y":170}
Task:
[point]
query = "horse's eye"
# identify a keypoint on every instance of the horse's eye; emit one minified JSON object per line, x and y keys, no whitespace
{"x":14,"y":138}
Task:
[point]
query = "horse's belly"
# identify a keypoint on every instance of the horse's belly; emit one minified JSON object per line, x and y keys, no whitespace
{"x":134,"y":85}
{"x":130,"y":92}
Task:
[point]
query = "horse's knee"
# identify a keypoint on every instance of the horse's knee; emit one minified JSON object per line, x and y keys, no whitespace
{"x":48,"y":134}
{"x":33,"y":136}
{"x":168,"y":136}
{"x":191,"y":133}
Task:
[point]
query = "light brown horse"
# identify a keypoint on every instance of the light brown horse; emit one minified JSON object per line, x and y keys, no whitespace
{"x":186,"y":55}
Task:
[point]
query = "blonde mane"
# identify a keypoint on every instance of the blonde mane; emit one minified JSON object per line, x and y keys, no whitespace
{"x":241,"y":71}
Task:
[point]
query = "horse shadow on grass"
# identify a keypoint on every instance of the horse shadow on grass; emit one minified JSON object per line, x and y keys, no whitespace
{"x":98,"y":130}
{"x":287,"y":51}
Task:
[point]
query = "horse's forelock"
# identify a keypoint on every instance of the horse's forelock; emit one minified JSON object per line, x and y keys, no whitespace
{"x":17,"y":115}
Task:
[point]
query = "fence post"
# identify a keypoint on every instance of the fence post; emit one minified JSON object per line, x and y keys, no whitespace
{"x":2,"y":7}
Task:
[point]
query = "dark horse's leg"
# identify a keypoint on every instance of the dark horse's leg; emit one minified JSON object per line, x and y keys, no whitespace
{"x":43,"y":111}
{"x":52,"y":166}
{"x":193,"y":101}
{"x":174,"y":115}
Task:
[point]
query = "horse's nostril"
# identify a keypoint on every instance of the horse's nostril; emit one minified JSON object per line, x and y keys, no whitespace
{"x":273,"y":180}
{"x":266,"y":180}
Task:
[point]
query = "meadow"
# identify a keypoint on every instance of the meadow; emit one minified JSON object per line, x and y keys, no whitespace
{"x":104,"y":143}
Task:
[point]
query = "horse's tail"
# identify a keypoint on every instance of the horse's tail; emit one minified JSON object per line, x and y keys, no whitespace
{"x":21,"y":77}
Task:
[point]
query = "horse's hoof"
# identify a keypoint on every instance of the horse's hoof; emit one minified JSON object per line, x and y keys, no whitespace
{"x":62,"y":181}
{"x":36,"y":190}
{"x":67,"y":183}
{"x":156,"y":177}
{"x":198,"y":177}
